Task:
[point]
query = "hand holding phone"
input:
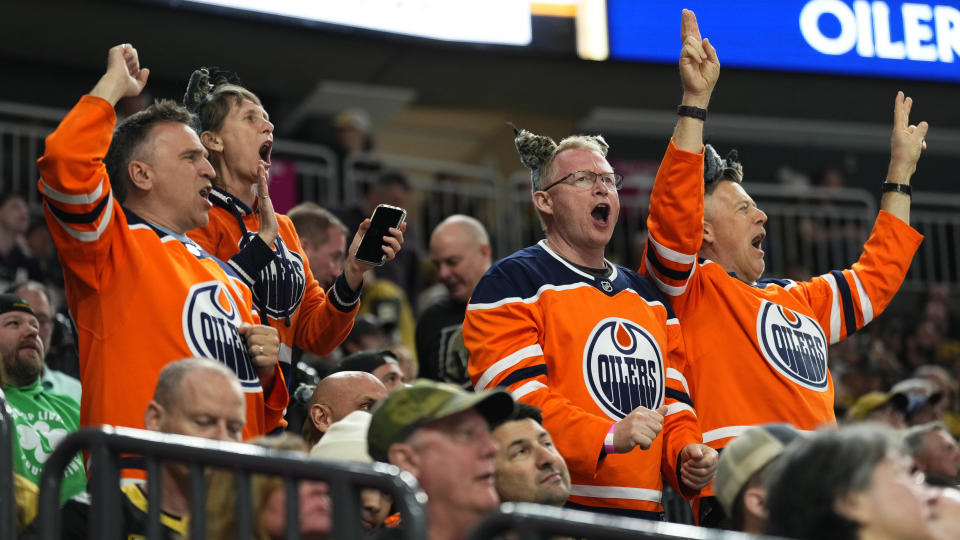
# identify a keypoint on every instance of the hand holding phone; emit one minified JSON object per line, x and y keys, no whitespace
{"x":383,"y":219}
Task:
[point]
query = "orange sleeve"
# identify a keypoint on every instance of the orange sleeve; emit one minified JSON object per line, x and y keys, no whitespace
{"x":680,"y":425}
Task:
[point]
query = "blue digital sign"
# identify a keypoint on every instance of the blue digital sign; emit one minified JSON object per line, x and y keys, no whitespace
{"x":908,"y":40}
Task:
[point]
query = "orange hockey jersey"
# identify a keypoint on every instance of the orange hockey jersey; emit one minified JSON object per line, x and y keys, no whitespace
{"x":141,"y":297}
{"x":586,"y":350}
{"x":758,"y":353}
{"x":284,"y":289}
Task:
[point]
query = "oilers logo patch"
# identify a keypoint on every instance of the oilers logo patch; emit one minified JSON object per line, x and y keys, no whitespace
{"x":794,"y":345}
{"x":279,"y":288}
{"x":210,"y":321}
{"x":623,"y":367}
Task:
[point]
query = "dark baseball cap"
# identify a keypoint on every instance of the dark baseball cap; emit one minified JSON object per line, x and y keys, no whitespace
{"x":409,"y":407}
{"x":12,"y":302}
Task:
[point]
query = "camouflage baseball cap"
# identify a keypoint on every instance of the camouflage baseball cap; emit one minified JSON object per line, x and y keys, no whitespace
{"x":410,"y":407}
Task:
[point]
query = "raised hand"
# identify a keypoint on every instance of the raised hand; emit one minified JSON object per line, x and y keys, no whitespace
{"x":699,"y":66}
{"x":639,"y":428}
{"x":354,"y":269}
{"x":698,"y":464}
{"x":263,"y":346}
{"x":269,"y":228}
{"x":124,"y":76}
{"x":906,"y":142}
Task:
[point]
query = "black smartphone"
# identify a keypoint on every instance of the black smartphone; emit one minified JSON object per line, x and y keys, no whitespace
{"x":371,"y":245}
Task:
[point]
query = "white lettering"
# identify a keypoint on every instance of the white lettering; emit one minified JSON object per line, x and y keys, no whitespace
{"x":881,"y":28}
{"x":810,"y":26}
{"x":917,"y":30}
{"x":864,"y":29}
{"x":948,"y":32}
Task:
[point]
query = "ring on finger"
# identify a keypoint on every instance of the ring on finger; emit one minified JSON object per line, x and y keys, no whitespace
{"x":261,"y":349}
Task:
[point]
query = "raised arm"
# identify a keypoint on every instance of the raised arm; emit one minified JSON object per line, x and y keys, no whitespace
{"x":699,"y":71}
{"x":906,"y":144}
{"x":124,"y":76}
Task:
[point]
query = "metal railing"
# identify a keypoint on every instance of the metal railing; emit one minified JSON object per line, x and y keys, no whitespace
{"x":8,"y":504}
{"x":345,"y":480}
{"x":536,"y":522}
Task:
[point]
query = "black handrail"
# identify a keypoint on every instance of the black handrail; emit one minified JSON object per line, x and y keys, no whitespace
{"x":107,"y":444}
{"x":535,"y":522}
{"x":8,"y":505}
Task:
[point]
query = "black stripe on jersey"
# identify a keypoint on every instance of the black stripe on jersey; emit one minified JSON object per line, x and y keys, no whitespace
{"x":849,"y":316}
{"x":762,"y":283}
{"x":677,"y":275}
{"x":523,"y":374}
{"x":71,"y":217}
{"x":626,"y":512}
{"x":682,"y":397}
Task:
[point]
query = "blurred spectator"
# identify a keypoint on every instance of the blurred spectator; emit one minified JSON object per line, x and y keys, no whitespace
{"x":923,"y":400}
{"x":196,"y":397}
{"x":945,"y":515}
{"x":269,"y":501}
{"x":935,"y":452}
{"x":460,"y":250}
{"x":851,"y":483}
{"x":35,"y":293}
{"x":16,"y":261}
{"x":381,"y":364}
{"x":529,"y":468}
{"x":323,"y":238}
{"x":346,"y":440}
{"x":338,"y":395}
{"x":41,"y":418}
{"x":888,"y":408}
{"x":367,"y":334}
{"x":441,"y":435}
{"x":387,"y":302}
{"x":407,"y":362}
{"x":744,"y":463}
{"x":392,"y":188}
{"x":44,"y":252}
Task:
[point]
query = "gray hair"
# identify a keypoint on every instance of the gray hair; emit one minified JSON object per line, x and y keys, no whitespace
{"x":538,"y":152}
{"x":168,"y":384}
{"x":915,"y":437}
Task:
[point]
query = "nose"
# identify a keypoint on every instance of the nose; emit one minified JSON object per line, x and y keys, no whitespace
{"x":488,"y":446}
{"x":761,"y":216}
{"x":207,"y":170}
{"x":223,"y":433}
{"x":267,"y":126}
{"x":545,"y":458}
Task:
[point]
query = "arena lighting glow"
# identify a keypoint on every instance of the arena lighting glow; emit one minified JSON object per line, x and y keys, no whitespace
{"x":909,"y":40}
{"x":503,"y":22}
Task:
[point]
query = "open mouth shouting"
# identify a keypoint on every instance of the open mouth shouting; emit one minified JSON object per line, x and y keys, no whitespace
{"x":601,"y":214}
{"x":205,"y":194}
{"x":758,"y":241}
{"x":265,"y":149}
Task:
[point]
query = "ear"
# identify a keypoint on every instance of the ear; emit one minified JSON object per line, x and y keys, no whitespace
{"x":708,"y":233}
{"x":211,"y":141}
{"x":404,"y":456}
{"x":321,"y":416}
{"x":755,"y":501}
{"x":485,"y":250}
{"x":543,"y":202}
{"x":153,"y":417}
{"x":141,"y":174}
{"x":854,"y":506}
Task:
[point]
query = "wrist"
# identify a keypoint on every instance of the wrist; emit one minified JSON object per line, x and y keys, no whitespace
{"x":695,"y":100}
{"x":108,"y":89}
{"x":608,"y":441}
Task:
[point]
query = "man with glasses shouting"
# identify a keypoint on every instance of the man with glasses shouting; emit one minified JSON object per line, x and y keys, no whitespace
{"x":592,"y":344}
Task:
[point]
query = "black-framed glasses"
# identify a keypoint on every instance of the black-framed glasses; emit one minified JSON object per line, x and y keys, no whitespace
{"x":586,"y":180}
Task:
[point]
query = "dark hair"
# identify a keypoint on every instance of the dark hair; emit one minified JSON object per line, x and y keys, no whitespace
{"x":130,"y":136}
{"x":393,"y":178}
{"x":211,"y":94}
{"x":521,"y":411}
{"x":716,"y":170}
{"x":814,"y":473}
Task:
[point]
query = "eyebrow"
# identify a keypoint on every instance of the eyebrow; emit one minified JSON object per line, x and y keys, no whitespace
{"x":194,"y":151}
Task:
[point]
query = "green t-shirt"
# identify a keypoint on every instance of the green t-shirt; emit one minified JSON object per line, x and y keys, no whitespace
{"x":42,"y":419}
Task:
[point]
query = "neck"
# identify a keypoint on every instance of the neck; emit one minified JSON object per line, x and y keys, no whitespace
{"x":240,"y":188}
{"x":174,"y":489}
{"x":447,"y":523}
{"x":156,"y":216}
{"x":589,"y":257}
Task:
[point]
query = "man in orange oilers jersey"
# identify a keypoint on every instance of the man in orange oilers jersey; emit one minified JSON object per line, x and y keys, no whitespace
{"x":590,"y":343}
{"x":758,"y":348}
{"x":142,"y":294}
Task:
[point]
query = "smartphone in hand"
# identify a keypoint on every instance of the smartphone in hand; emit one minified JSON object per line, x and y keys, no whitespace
{"x":371,"y":245}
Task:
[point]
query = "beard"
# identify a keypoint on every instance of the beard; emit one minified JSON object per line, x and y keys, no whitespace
{"x":22,"y":367}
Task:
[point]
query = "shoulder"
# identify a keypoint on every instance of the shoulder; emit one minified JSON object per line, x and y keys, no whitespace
{"x":520,"y":274}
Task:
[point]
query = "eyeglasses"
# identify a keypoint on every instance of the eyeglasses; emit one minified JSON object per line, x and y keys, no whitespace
{"x":586,"y":180}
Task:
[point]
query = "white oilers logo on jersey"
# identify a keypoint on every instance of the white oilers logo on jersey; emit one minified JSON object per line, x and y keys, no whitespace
{"x":623,"y":367}
{"x":279,"y":288}
{"x":794,"y":345}
{"x":210,"y":321}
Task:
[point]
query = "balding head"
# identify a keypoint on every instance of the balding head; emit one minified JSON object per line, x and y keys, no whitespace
{"x":198,"y":397}
{"x":338,"y":395}
{"x":460,"y":249}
